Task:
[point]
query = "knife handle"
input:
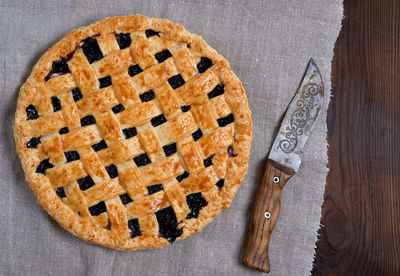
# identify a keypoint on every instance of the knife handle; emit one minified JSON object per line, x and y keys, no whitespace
{"x":265,"y":215}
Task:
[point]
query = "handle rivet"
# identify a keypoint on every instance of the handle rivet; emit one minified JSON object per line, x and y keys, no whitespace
{"x":276,"y":179}
{"x":267,"y":215}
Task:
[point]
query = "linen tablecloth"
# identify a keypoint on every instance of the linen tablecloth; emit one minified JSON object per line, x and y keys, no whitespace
{"x":268,"y":44}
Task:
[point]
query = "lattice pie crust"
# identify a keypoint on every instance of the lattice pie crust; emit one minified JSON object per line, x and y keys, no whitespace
{"x":133,"y":132}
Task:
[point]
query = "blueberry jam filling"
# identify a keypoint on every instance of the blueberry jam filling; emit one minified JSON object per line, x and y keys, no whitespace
{"x":150,"y":33}
{"x":156,"y":121}
{"x":142,"y":160}
{"x":196,"y":202}
{"x":97,"y":209}
{"x":217,"y":91}
{"x":163,"y":55}
{"x":60,"y":192}
{"x":176,"y":81}
{"x":147,"y":96}
{"x":129,"y":132}
{"x":31,"y":112}
{"x":72,"y":155}
{"x":33,"y":143}
{"x":105,"y":82}
{"x":125,"y":198}
{"x":220,"y":183}
{"x":91,"y":49}
{"x":204,"y":64}
{"x":59,"y":67}
{"x":154,"y":188}
{"x":197,"y":134}
{"x":76,"y":94}
{"x":112,"y":171}
{"x":230,"y":151}
{"x":169,"y":149}
{"x":99,"y":146}
{"x":134,"y":226}
{"x":85,"y":182}
{"x":88,"y":120}
{"x":208,"y":162}
{"x":124,"y":40}
{"x":134,"y":70}
{"x":43,"y":166}
{"x":225,"y":120}
{"x":167,"y":224}
{"x":64,"y":130}
{"x":118,"y":108}
{"x":182,"y":176}
{"x":56,"y":103}
{"x":185,"y":108}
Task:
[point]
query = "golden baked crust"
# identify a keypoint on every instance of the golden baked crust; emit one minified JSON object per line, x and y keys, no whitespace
{"x":133,"y":132}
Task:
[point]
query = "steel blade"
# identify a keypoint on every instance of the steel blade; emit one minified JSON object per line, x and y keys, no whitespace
{"x":299,"y":119}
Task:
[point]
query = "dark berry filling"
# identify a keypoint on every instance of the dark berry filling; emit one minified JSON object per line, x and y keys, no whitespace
{"x":58,"y":67}
{"x":225,"y":120}
{"x":154,"y":188}
{"x":99,"y":146}
{"x":33,"y":142}
{"x":220,"y":183}
{"x":196,"y":202}
{"x":85,"y":182}
{"x":124,"y":40}
{"x":204,"y":64}
{"x":217,"y":91}
{"x":129,"y":132}
{"x":60,"y":192}
{"x":163,"y":55}
{"x":31,"y":112}
{"x":134,"y":70}
{"x":91,"y":49}
{"x":72,"y":156}
{"x":169,"y":149}
{"x":197,"y":134}
{"x":118,"y":108}
{"x":64,"y":130}
{"x":76,"y":94}
{"x":230,"y":151}
{"x":167,"y":224}
{"x":176,"y":81}
{"x":56,"y":103}
{"x":147,"y":96}
{"x":208,"y":161}
{"x":134,"y":226}
{"x":156,"y":121}
{"x":150,"y":33}
{"x":105,"y":82}
{"x":43,"y":166}
{"x":142,"y":160}
{"x":125,"y":198}
{"x":182,"y":176}
{"x":97,"y":209}
{"x":88,"y":120}
{"x":186,"y":108}
{"x":112,"y":171}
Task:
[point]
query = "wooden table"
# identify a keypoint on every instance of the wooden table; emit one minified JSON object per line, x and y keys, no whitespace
{"x":361,"y":212}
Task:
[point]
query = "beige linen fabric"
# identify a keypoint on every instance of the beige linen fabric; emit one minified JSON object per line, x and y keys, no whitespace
{"x":268,"y":44}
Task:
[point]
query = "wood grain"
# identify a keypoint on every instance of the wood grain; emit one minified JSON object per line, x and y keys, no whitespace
{"x":361,"y":212}
{"x":268,"y":199}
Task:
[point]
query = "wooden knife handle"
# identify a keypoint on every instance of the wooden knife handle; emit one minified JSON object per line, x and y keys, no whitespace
{"x":265,"y":215}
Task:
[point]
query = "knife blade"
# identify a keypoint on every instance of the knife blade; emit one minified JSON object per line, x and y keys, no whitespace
{"x":283,"y":162}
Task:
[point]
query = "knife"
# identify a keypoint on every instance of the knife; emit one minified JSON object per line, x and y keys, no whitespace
{"x":283,"y":162}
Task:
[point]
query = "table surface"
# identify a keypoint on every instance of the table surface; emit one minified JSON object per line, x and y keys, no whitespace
{"x":361,"y":212}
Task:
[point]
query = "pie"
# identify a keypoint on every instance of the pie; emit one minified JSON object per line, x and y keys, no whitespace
{"x":133,"y":133}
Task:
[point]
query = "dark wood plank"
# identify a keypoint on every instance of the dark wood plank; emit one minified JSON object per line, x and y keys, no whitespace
{"x":361,"y":212}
